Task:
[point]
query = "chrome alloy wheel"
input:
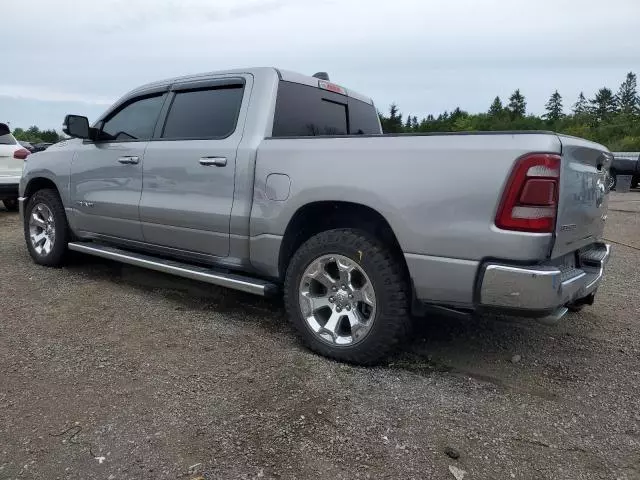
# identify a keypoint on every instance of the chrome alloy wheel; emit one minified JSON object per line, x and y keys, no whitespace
{"x":42,"y":230}
{"x":337,"y":300}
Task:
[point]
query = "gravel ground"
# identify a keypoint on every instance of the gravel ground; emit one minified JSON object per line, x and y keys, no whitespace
{"x":112,"y":372}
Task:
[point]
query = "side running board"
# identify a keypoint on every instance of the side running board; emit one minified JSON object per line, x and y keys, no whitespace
{"x":203,"y":274}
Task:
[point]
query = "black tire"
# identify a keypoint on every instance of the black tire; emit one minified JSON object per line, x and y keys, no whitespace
{"x":11,"y":204}
{"x":392,"y":321}
{"x":51,"y":199}
{"x":613,"y":180}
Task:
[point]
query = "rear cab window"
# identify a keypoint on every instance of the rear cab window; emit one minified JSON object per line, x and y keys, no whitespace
{"x":306,"y":111}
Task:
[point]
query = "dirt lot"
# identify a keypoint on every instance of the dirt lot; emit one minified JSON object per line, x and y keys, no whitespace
{"x":112,"y":372}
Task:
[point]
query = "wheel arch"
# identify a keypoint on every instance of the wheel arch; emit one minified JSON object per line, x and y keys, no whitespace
{"x":39,"y":183}
{"x":315,"y":217}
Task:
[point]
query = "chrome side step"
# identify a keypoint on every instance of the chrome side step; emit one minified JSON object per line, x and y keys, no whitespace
{"x":203,"y":274}
{"x":554,"y":317}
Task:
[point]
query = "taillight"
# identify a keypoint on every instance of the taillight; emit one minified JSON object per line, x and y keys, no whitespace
{"x":530,"y":200}
{"x":21,"y":154}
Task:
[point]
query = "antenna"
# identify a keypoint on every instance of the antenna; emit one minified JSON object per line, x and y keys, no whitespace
{"x":322,"y":76}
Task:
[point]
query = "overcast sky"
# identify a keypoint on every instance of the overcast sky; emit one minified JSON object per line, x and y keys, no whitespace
{"x":66,"y":56}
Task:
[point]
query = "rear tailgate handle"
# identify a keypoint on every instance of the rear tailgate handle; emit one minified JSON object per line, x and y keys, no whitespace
{"x":213,"y":161}
{"x":129,"y":160}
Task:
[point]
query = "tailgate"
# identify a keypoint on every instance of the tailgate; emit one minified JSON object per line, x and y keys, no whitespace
{"x":582,"y":206}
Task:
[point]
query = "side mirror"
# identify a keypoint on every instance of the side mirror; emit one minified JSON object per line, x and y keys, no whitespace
{"x":4,"y":129}
{"x":76,"y":126}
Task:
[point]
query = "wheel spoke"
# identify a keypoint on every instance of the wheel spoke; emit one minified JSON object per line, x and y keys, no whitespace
{"x":365,"y":295}
{"x":39,"y":238}
{"x":47,"y":245}
{"x":332,"y":324}
{"x":36,"y":220}
{"x":316,"y":302}
{"x":344,"y":268}
{"x":355,"y":322}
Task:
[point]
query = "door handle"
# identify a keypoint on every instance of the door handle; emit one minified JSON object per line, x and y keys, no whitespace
{"x":129,"y":160}
{"x":213,"y":161}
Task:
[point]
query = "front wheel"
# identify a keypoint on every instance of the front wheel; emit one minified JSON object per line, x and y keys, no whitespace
{"x":11,"y":204}
{"x":45,"y":228}
{"x":347,"y":295}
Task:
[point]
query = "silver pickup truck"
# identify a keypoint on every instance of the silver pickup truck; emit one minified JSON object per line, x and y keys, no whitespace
{"x":269,"y":181}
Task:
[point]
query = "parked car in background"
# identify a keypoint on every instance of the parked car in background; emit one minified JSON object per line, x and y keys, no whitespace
{"x":39,"y":147}
{"x":270,"y":181}
{"x":625,"y":163}
{"x":12,"y":157}
{"x":27,"y":145}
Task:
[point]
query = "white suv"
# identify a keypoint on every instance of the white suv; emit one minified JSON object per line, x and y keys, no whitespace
{"x":12,"y":157}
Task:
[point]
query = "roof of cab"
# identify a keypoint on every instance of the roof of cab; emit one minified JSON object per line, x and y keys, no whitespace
{"x":285,"y":75}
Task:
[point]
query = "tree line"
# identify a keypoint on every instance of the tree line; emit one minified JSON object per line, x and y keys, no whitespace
{"x":612,"y":119}
{"x":34,"y":135}
{"x":607,"y":118}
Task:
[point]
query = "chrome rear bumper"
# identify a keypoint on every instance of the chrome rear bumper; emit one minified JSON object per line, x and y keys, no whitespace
{"x":542,"y":288}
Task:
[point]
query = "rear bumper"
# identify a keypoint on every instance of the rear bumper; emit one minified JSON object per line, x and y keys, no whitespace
{"x":542,"y":289}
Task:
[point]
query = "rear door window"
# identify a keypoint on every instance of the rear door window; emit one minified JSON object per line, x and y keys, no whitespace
{"x":303,"y":110}
{"x":203,"y":114}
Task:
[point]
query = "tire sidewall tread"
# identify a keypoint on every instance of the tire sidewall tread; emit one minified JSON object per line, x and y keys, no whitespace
{"x":52,"y":200}
{"x":389,"y":278}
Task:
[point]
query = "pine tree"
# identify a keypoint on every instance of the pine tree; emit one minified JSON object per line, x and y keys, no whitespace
{"x":407,"y":125}
{"x":628,"y":100}
{"x":496,"y":107}
{"x":604,"y":105}
{"x":517,"y":105}
{"x":554,"y":107}
{"x":392,"y":123}
{"x":581,"y":107}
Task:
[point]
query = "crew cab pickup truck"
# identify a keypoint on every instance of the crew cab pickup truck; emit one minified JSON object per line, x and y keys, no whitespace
{"x":269,"y":181}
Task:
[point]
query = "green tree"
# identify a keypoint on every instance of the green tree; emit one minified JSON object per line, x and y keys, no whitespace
{"x":414,"y":123}
{"x":392,"y":123}
{"x":496,"y":107}
{"x":627,"y":98}
{"x":408,"y":126}
{"x":517,"y":105}
{"x":603,"y":105}
{"x":19,"y":133}
{"x":50,"y":136}
{"x":581,"y":107}
{"x":554,"y":107}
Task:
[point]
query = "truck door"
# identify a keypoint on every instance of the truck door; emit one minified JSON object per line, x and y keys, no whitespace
{"x":189,"y":167}
{"x":106,"y":175}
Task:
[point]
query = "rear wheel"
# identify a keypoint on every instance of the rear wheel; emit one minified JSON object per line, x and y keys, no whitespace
{"x":45,"y":228}
{"x":11,"y":204}
{"x":612,"y":180}
{"x":347,"y":295}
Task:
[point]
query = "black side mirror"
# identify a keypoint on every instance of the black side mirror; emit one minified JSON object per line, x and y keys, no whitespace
{"x":4,"y":129}
{"x":76,"y":126}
